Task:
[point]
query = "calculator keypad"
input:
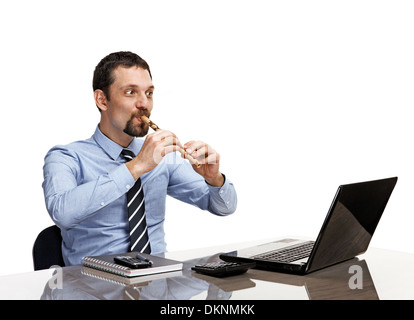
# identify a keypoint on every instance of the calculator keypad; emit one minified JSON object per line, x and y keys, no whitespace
{"x":222,"y":268}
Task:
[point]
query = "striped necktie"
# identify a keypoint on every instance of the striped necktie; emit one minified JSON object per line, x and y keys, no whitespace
{"x":139,"y":240}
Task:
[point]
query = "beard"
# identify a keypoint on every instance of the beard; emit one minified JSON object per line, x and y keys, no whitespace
{"x":137,"y":131}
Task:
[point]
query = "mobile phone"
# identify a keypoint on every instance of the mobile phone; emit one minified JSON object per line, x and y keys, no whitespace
{"x":131,"y":262}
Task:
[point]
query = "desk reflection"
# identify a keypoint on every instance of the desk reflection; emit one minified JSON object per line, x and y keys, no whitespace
{"x":336,"y":282}
{"x":349,"y":280}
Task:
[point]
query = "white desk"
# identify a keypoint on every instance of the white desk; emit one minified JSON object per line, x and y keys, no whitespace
{"x":386,"y":275}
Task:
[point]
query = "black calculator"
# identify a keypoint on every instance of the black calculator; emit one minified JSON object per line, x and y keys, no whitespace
{"x":223,"y":269}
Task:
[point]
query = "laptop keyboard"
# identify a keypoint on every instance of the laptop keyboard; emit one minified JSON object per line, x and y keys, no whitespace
{"x":289,"y":254}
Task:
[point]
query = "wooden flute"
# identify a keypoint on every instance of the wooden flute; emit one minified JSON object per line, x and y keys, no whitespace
{"x":182,"y":151}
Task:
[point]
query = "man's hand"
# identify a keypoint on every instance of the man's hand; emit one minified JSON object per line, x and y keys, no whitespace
{"x":155,"y":147}
{"x":209,"y":160}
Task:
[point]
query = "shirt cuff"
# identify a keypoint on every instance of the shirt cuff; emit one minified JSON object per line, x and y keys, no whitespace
{"x":222,"y":193}
{"x":122,"y":178}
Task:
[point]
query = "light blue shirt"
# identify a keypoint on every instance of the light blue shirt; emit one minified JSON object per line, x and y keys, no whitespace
{"x":85,"y":186}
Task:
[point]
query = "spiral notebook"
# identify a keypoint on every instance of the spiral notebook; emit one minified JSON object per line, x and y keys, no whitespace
{"x":127,"y":281}
{"x":106,"y":263}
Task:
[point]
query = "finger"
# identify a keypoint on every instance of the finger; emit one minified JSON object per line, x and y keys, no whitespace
{"x":162,"y":133}
{"x":187,"y":144}
{"x":170,"y":140}
{"x":203,"y":152}
{"x":169,"y":149}
{"x":194,"y":146}
{"x":160,"y":152}
{"x":200,"y":153}
{"x":212,"y":158}
{"x":167,"y":137}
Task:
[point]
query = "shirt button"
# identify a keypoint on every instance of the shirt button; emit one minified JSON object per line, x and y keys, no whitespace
{"x":102,"y":203}
{"x":227,"y":202}
{"x":221,"y":191}
{"x":128,"y":186}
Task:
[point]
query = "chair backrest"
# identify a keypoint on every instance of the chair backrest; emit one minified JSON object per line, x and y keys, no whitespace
{"x":47,"y":249}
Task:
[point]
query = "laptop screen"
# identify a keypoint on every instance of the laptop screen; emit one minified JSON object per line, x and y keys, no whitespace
{"x":351,"y":222}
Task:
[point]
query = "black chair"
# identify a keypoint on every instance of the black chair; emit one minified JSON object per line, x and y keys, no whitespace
{"x":47,"y":249}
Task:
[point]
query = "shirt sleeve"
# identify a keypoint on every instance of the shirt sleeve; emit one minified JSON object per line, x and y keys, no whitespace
{"x":188,"y":186}
{"x":68,"y":200}
{"x":223,"y":200}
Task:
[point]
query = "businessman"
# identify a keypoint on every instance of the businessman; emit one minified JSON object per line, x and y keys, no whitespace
{"x":86,"y":182}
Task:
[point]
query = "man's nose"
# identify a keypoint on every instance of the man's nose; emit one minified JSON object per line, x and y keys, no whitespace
{"x":142,"y":101}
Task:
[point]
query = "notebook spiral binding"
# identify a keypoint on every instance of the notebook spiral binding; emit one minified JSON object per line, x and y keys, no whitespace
{"x":91,"y":273}
{"x":104,"y":265}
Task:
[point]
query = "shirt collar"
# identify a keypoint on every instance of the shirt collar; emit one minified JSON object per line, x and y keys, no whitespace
{"x":112,"y":148}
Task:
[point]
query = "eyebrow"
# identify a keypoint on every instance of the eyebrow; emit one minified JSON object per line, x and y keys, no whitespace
{"x":135,"y":86}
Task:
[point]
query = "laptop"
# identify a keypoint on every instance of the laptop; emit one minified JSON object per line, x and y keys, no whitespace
{"x":346,"y":232}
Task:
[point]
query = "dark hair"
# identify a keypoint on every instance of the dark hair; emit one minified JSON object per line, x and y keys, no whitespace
{"x":102,"y":76}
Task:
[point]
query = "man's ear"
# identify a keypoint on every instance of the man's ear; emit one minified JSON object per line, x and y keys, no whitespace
{"x":100,"y":100}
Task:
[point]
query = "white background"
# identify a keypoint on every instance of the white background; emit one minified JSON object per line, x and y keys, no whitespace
{"x":297,"y":96}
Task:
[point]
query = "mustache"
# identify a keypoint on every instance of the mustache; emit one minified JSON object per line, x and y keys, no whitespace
{"x":141,"y":113}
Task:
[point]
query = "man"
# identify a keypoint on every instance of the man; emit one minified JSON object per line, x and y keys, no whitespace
{"x":86,"y":182}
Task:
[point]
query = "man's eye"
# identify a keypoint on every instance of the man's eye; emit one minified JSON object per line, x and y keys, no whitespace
{"x":129,"y":92}
{"x":150,"y":93}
